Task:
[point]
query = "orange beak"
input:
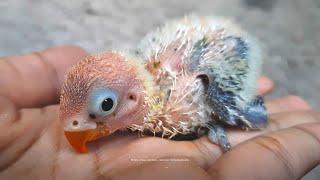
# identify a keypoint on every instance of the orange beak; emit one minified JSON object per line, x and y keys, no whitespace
{"x":79,"y":139}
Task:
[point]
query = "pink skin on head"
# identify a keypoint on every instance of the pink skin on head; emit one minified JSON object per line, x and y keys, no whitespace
{"x":105,"y":71}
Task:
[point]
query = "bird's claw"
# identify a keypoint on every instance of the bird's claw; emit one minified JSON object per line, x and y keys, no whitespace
{"x":218,"y":136}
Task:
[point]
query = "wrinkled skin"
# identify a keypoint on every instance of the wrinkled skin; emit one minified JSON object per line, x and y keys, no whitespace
{"x":32,"y":144}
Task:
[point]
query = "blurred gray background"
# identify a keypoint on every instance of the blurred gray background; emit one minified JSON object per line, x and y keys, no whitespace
{"x":289,"y":30}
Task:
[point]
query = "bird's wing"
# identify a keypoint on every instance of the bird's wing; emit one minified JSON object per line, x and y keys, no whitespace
{"x":231,"y":63}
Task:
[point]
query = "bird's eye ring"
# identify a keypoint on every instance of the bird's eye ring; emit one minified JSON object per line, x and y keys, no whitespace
{"x":102,"y":102}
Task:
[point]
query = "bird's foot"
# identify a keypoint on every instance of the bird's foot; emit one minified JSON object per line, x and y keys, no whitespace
{"x":218,"y":136}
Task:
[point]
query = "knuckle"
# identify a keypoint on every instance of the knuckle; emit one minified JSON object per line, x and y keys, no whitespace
{"x":8,"y":110}
{"x":206,"y":151}
{"x":305,"y":129}
{"x":276,"y":147}
{"x":48,"y":68}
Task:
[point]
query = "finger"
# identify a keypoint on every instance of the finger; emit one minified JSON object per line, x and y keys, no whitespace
{"x":21,"y":130}
{"x":288,"y":154}
{"x":287,"y":104}
{"x":34,"y":80}
{"x":209,"y":152}
{"x":265,"y":85}
{"x":163,"y":169}
{"x":115,"y":155}
{"x":276,"y":122}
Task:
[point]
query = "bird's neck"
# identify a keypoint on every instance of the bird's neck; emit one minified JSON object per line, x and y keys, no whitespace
{"x":155,"y":119}
{"x":152,"y":97}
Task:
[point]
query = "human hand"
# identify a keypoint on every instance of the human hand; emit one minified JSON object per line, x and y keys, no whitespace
{"x":32,"y":144}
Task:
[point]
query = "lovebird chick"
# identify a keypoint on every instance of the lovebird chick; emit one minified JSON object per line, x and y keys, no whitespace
{"x":192,"y":74}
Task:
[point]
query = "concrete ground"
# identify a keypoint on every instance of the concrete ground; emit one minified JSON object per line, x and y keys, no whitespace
{"x":288,"y":29}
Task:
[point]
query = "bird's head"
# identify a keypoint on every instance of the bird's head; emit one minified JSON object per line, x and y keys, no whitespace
{"x":100,"y":95}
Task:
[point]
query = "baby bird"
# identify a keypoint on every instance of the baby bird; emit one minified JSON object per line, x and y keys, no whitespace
{"x":192,"y":74}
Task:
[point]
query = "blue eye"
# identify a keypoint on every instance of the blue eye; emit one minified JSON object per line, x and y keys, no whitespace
{"x":102,"y":102}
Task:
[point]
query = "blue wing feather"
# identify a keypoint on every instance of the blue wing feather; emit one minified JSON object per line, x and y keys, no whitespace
{"x":223,"y":101}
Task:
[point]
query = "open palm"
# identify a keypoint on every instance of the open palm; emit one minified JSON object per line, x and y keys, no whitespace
{"x":33,"y":146}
